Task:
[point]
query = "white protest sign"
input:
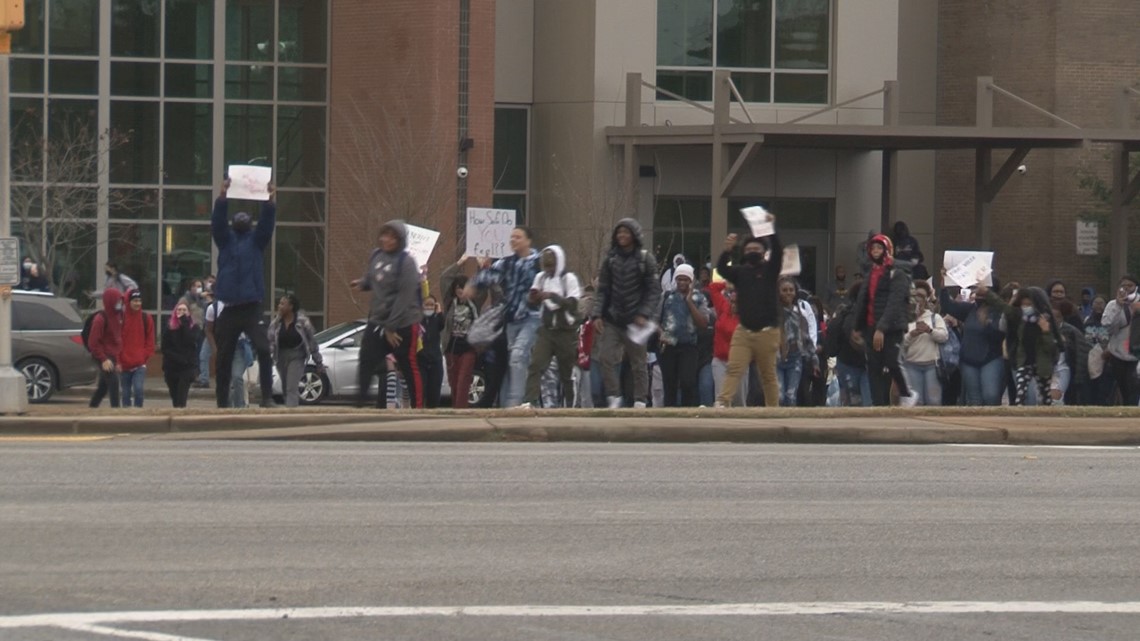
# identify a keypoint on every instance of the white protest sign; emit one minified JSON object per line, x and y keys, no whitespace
{"x":489,"y":231}
{"x":249,"y":183}
{"x":791,"y":265}
{"x":966,"y":269}
{"x":421,"y":242}
{"x":759,"y":221}
{"x":1087,"y":237}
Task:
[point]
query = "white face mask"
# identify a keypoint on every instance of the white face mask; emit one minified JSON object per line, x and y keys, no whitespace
{"x":429,"y":312}
{"x":27,"y":264}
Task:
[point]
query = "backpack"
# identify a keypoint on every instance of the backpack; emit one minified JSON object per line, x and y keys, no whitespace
{"x":949,"y":355}
{"x":87,"y":324}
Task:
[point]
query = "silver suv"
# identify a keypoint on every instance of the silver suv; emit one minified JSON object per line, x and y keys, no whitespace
{"x":47,"y":344}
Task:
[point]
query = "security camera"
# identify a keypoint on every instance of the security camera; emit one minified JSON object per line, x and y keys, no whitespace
{"x":461,"y":172}
{"x":1022,"y":169}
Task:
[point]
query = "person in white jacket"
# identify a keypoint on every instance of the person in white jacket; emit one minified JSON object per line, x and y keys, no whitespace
{"x":920,"y":350}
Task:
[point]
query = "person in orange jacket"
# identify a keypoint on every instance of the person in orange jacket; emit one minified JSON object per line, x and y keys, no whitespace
{"x":138,"y":347}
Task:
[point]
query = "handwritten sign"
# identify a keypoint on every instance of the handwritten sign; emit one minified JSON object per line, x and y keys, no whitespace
{"x":791,"y":265}
{"x":966,"y":269}
{"x":759,"y":221}
{"x":10,"y":264}
{"x":489,"y":231}
{"x":421,"y":243}
{"x":248,"y":182}
{"x":1087,"y":237}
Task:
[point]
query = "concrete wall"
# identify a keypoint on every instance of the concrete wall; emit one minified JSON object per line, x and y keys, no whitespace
{"x":514,"y":51}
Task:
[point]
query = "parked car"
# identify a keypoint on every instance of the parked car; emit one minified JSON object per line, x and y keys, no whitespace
{"x":47,"y":345}
{"x":340,"y":350}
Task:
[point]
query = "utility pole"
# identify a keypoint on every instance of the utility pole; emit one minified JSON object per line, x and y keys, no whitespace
{"x":13,"y":386}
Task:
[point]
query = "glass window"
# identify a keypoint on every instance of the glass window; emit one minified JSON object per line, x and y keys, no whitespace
{"x":305,"y":84}
{"x":300,"y":266}
{"x":300,"y":147}
{"x":134,"y":247}
{"x":793,"y":214}
{"x":753,"y":87}
{"x":74,"y":27}
{"x":517,"y":202}
{"x":744,"y":33}
{"x":27,"y":127}
{"x":249,"y":82}
{"x":27,"y":203}
{"x":73,"y":76}
{"x":71,"y":259}
{"x":72,"y":152}
{"x":132,"y":203}
{"x":135,"y":79}
{"x":249,"y":134}
{"x":190,"y":29}
{"x":189,"y":81}
{"x":802,"y":88}
{"x":27,"y":75}
{"x":301,"y":206}
{"x":694,"y":85}
{"x":303,"y":31}
{"x":681,"y":226}
{"x":249,"y":30}
{"x":188,"y":144}
{"x":30,"y":39}
{"x":43,"y":314}
{"x":135,"y":27}
{"x":802,"y":34}
{"x":134,"y":142}
{"x":185,"y":256}
{"x":510,"y":148}
{"x":186,"y":204}
{"x":684,"y":33}
{"x":71,"y":203}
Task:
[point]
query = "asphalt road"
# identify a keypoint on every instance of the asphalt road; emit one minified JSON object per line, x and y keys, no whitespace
{"x":233,"y":541}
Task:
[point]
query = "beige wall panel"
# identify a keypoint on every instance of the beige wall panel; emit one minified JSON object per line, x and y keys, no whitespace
{"x":564,"y":51}
{"x":514,"y":51}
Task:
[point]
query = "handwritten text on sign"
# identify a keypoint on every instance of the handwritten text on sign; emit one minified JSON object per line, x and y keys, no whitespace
{"x":489,"y":231}
{"x":421,"y":242}
{"x":967,"y":268}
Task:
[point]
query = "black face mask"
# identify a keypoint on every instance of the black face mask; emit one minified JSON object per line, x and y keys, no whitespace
{"x":753,"y":259}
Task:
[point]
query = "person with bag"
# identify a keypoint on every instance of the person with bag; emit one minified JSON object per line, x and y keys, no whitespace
{"x":105,"y":344}
{"x":797,"y":351}
{"x":1118,"y":318}
{"x":981,"y":360}
{"x":180,"y":354}
{"x":138,"y":347}
{"x":920,"y":349}
{"x":459,"y":314}
{"x":292,"y":342}
{"x":1099,"y":389}
{"x":1035,"y":345}
{"x":556,"y":291}
{"x":850,"y":357}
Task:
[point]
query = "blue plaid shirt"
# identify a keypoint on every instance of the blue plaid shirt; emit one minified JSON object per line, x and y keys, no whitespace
{"x":516,"y":276}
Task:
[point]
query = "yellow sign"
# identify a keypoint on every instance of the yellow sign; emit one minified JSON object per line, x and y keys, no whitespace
{"x":11,"y":15}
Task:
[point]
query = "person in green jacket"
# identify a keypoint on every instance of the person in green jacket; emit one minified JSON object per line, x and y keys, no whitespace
{"x":1035,"y":342}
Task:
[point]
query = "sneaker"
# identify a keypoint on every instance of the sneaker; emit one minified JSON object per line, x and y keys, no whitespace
{"x":719,"y":406}
{"x":614,"y":402}
{"x":526,"y":406}
{"x":639,"y":405}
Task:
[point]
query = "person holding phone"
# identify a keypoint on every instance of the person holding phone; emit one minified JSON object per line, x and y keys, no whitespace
{"x":1117,"y":318}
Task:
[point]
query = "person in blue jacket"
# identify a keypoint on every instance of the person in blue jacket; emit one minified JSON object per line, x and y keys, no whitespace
{"x":241,"y":286}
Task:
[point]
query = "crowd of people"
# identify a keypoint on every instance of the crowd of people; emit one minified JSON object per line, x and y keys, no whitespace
{"x":737,"y":332}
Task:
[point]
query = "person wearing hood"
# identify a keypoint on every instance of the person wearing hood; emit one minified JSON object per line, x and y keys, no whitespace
{"x":514,"y":274}
{"x":556,"y":292}
{"x":394,"y":315}
{"x":629,"y":294}
{"x":1085,"y":309}
{"x":881,"y":317}
{"x":667,"y":283}
{"x":241,"y":287}
{"x":1118,"y":319}
{"x":684,"y":314}
{"x":1058,"y":294}
{"x":106,"y":345}
{"x":1035,"y":344}
{"x":138,"y":347}
{"x":757,"y":337}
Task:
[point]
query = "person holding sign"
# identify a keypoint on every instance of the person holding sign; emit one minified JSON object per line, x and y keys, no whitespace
{"x":757,"y":338}
{"x":394,"y":315}
{"x":881,"y":317}
{"x":241,"y":287}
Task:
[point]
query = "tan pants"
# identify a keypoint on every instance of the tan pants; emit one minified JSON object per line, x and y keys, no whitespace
{"x":762,"y":346}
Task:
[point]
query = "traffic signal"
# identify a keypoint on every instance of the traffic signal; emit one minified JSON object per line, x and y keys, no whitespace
{"x":12,"y":16}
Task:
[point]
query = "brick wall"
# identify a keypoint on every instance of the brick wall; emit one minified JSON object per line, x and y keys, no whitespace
{"x":393,"y":132}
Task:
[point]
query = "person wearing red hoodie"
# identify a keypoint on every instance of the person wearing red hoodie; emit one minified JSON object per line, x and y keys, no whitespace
{"x":138,"y":347}
{"x":106,"y":345}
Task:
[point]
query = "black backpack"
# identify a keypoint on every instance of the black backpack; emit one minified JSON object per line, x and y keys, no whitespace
{"x":86,"y":333}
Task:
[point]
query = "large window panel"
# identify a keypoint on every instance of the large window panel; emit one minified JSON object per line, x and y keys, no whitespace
{"x":753,"y":87}
{"x":303,"y":31}
{"x":190,"y":29}
{"x":74,"y":27}
{"x":27,"y":138}
{"x":73,"y":77}
{"x":300,"y":266}
{"x":132,"y":203}
{"x":681,"y":226}
{"x":300,"y":146}
{"x":187,"y":204}
{"x":304,"y":84}
{"x":188,"y":145}
{"x":510,"y":148}
{"x":301,"y":206}
{"x":30,"y":39}
{"x":134,"y":142}
{"x":684,"y":33}
{"x":72,"y":141}
{"x":185,"y":256}
{"x":71,"y":203}
{"x":744,"y":33}
{"x":516,"y":202}
{"x":135,"y":79}
{"x":694,"y":85}
{"x":249,"y":134}
{"x":189,"y":81}
{"x":27,"y":75}
{"x":135,"y":27}
{"x":249,"y":30}
{"x":134,"y":247}
{"x":802,"y":88}
{"x":249,"y":82}
{"x":71,"y":257}
{"x":802,"y":34}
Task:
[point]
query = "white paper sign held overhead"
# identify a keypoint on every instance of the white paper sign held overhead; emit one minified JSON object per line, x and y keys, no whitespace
{"x":421,"y":243}
{"x":248,"y":182}
{"x":760,"y":222}
{"x":791,"y":265}
{"x":968,"y":268}
{"x":489,"y":231}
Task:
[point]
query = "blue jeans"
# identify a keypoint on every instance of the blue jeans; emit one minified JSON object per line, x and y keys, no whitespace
{"x":854,"y":386}
{"x":204,"y":355}
{"x":983,"y":385}
{"x":788,"y":374}
{"x":922,"y":379}
{"x":132,"y":383}
{"x":521,"y":335}
{"x":706,"y":389}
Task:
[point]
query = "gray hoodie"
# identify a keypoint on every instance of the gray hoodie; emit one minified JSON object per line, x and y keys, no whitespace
{"x":394,"y":280}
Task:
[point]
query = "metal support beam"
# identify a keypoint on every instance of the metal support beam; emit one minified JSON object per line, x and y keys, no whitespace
{"x":733,"y":176}
{"x":1004,"y":172}
{"x":1124,"y":189}
{"x":984,"y":113}
{"x":722,"y":96}
{"x":632,"y":119}
{"x":982,"y":168}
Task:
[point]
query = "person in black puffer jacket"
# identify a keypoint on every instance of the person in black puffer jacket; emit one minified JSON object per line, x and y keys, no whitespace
{"x":881,"y":316}
{"x":180,"y":354}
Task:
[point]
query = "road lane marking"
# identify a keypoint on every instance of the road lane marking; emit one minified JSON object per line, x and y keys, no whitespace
{"x":67,"y":620}
{"x":56,"y":438}
{"x":128,"y":634}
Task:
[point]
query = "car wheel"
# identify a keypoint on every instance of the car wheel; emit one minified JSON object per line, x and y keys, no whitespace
{"x":478,"y":389}
{"x":314,"y":387}
{"x":41,"y":379}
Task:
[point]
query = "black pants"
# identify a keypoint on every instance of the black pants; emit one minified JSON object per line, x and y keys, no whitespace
{"x":431,"y":371}
{"x":374,"y":350}
{"x":229,"y":326}
{"x":1124,"y":373}
{"x":494,"y":371}
{"x":883,"y":367}
{"x":108,"y":382}
{"x":178,"y":383}
{"x":679,"y":374}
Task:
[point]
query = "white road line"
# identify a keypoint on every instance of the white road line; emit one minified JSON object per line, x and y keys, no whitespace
{"x":70,"y":620}
{"x":127,"y":634}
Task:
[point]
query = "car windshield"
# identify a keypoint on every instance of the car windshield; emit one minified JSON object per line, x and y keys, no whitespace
{"x":336,"y":330}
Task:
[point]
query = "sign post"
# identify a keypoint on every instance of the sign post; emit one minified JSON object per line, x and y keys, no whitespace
{"x":13,"y":385}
